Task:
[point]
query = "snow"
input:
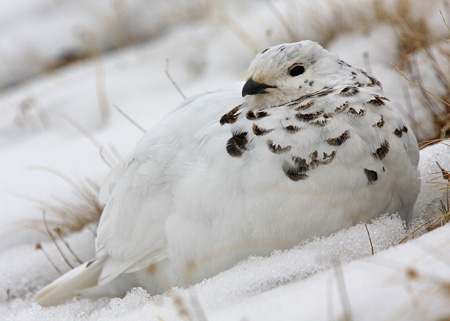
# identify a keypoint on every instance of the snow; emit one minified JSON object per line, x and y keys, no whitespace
{"x":324,"y":279}
{"x":406,"y":282}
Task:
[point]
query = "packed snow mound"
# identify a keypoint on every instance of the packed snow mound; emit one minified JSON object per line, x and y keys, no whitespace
{"x":278,"y":286}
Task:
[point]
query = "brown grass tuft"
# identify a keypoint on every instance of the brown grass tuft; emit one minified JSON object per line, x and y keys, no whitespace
{"x":413,"y":32}
{"x":66,"y":216}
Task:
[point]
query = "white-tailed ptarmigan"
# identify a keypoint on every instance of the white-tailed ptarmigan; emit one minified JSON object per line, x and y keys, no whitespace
{"x":307,"y":146}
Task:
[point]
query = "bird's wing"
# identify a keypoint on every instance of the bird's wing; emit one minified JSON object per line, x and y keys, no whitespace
{"x":139,"y":192}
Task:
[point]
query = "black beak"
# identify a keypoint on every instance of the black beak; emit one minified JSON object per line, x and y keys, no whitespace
{"x":253,"y":88}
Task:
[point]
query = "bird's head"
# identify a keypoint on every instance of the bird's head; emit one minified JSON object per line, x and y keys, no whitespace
{"x":286,"y":72}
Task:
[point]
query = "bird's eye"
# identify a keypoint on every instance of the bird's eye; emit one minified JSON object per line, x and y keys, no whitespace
{"x":296,"y":70}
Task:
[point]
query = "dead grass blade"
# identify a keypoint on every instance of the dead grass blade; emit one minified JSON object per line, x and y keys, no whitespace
{"x":445,"y":22}
{"x":100,"y":87}
{"x":131,"y":120}
{"x":63,"y":241}
{"x":370,"y":239}
{"x":173,"y":81}
{"x":345,"y":300}
{"x":215,"y":10}
{"x":426,"y":143}
{"x":58,"y":248}
{"x":445,"y":174}
{"x":108,"y":156}
{"x":416,"y":85}
{"x":38,"y":246}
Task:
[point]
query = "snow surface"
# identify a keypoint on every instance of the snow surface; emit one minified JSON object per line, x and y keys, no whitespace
{"x":326,"y":279}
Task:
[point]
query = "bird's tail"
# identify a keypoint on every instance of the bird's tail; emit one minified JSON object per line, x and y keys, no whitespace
{"x":68,"y":285}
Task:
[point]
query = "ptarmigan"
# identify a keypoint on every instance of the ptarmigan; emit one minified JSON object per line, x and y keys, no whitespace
{"x":311,"y":147}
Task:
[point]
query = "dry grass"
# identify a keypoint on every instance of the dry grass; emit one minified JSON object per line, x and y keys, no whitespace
{"x":370,"y":240}
{"x":64,"y":216}
{"x":440,"y":181}
{"x":173,"y":82}
{"x":412,"y":31}
{"x":61,"y":217}
{"x":330,"y":21}
{"x":436,"y":106}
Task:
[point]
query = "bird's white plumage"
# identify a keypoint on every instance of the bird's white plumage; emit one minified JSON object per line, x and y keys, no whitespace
{"x":223,"y":177}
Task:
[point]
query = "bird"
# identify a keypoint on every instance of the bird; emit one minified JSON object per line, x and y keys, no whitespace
{"x":306,"y":146}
